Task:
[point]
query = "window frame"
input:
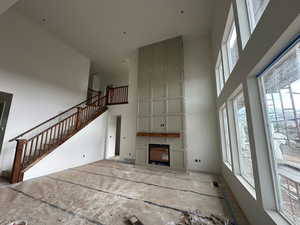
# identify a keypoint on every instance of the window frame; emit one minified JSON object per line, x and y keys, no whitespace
{"x":220,"y":83}
{"x":250,"y":13}
{"x":231,"y":65}
{"x":245,"y":14}
{"x":238,"y":144}
{"x":226,"y":156}
{"x":272,"y":158}
{"x":217,"y":82}
{"x":270,"y":150}
{"x":230,"y":22}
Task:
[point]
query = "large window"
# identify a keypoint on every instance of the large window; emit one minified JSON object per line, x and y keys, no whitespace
{"x":226,"y":149}
{"x":280,"y":87}
{"x":245,"y":160}
{"x":232,"y":48}
{"x":219,"y":74}
{"x":255,"y":10}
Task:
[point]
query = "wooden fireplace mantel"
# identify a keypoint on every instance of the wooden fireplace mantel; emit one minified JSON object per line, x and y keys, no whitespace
{"x":147,"y":134}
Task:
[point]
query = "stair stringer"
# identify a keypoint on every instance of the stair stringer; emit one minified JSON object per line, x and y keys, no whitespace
{"x":86,"y":146}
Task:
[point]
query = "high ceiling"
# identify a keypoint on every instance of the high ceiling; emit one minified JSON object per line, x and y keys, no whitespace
{"x":107,"y":31}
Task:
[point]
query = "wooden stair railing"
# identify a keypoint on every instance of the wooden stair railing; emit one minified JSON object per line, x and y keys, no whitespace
{"x":117,"y":95}
{"x":37,"y":142}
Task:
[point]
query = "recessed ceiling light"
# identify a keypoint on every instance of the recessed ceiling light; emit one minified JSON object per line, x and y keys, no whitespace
{"x":181,"y":11}
{"x":44,"y":20}
{"x":124,"y":32}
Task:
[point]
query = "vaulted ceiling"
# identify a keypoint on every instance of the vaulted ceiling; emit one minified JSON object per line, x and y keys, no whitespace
{"x":107,"y":31}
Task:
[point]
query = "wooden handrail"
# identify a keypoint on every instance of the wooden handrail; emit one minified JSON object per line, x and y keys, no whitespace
{"x":32,"y":149}
{"x":52,"y":118}
{"x":50,"y":127}
{"x":92,"y":90}
{"x":124,"y":86}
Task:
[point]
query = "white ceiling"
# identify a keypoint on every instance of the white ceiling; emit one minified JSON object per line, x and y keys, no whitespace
{"x":96,"y":27}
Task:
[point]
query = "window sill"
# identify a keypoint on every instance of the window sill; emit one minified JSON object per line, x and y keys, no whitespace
{"x":277,"y":217}
{"x":248,"y":187}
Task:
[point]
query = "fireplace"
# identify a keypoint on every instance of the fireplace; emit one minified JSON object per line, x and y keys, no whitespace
{"x":159,"y":154}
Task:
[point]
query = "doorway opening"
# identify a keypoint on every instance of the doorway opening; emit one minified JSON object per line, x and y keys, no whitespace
{"x":118,"y":136}
{"x":113,"y":138}
{"x":5,"y":102}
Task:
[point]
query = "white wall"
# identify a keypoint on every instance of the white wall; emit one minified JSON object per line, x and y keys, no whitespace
{"x":96,"y":82}
{"x":275,"y":29}
{"x":111,"y":137}
{"x":110,"y":79}
{"x":200,"y":113}
{"x":44,"y":75}
{"x":128,"y":111}
{"x":84,"y":147}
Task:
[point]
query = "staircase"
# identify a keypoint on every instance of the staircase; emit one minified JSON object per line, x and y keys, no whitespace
{"x":37,"y":142}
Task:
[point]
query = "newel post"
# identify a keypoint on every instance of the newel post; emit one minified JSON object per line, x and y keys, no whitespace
{"x":78,"y":117}
{"x":17,"y":174}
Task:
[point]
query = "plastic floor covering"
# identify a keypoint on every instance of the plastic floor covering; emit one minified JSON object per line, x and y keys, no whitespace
{"x":106,"y":192}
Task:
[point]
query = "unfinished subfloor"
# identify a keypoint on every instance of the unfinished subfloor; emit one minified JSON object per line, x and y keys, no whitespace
{"x":106,"y":191}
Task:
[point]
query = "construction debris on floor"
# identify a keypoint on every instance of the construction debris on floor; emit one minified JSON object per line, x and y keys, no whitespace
{"x":133,"y":220}
{"x":18,"y":223}
{"x":106,"y":192}
{"x":198,"y":218}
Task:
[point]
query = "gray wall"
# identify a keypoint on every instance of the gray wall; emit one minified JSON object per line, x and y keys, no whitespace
{"x":197,"y":102}
{"x":160,"y":101}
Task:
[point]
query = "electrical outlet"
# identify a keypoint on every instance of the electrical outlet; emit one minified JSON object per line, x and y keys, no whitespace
{"x":83,"y":155}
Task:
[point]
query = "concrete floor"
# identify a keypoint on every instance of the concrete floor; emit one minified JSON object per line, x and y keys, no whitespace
{"x":106,"y":192}
{"x":3,"y":182}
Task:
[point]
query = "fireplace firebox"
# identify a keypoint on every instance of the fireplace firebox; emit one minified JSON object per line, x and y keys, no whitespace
{"x":159,"y":154}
